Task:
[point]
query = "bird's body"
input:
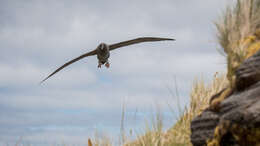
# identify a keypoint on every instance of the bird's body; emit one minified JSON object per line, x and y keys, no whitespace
{"x":103,"y":52}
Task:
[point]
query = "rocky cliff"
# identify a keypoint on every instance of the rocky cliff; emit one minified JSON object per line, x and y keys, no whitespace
{"x":236,"y":122}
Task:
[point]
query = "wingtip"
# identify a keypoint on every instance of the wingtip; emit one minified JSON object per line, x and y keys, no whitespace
{"x":168,"y":39}
{"x":43,"y":81}
{"x":40,"y":83}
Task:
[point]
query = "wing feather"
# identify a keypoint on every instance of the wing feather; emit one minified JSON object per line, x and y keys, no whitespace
{"x":138,"y":40}
{"x":94,"y":52}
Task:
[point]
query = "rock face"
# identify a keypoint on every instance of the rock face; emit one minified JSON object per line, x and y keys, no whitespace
{"x":237,"y":122}
{"x":249,"y":72}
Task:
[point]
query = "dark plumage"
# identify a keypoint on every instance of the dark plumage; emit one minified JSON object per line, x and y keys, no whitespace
{"x":103,"y":52}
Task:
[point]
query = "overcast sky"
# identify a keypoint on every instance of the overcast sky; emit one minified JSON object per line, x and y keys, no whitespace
{"x":37,"y":36}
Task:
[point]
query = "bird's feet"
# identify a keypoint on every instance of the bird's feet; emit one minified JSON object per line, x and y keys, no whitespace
{"x":99,"y":65}
{"x":107,"y":64}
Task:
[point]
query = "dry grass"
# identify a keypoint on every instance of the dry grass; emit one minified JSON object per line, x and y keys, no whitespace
{"x":153,"y":135}
{"x":179,"y":134}
{"x":238,"y":23}
{"x":100,"y":140}
{"x":237,"y":31}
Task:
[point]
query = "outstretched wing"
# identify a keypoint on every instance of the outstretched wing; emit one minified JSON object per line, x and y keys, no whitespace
{"x":94,"y":52}
{"x":138,"y":40}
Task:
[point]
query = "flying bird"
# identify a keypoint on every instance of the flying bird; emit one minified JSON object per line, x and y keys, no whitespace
{"x":103,"y":52}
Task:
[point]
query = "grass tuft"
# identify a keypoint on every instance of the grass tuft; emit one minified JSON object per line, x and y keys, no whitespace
{"x":238,"y":29}
{"x":179,"y":134}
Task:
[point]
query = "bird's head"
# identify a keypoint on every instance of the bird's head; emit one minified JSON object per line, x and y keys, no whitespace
{"x":102,"y":46}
